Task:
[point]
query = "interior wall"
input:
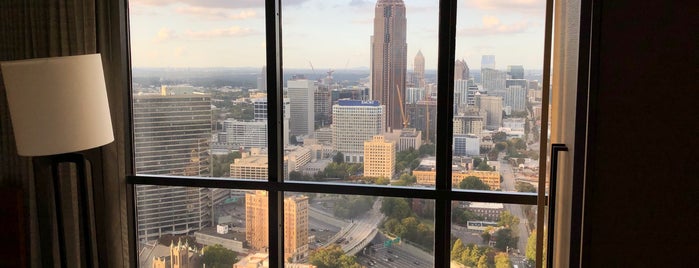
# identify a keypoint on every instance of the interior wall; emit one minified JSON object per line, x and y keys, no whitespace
{"x":641,"y":187}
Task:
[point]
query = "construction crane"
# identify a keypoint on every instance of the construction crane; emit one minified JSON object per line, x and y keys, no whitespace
{"x":402,"y":110}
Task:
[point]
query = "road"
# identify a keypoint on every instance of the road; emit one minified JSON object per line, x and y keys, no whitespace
{"x":397,"y":256}
{"x":508,"y":185}
{"x":356,"y":235}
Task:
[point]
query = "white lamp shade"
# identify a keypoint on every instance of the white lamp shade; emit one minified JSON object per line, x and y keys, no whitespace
{"x":58,"y":105}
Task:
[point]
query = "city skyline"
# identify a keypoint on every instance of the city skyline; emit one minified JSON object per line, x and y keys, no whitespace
{"x":194,"y":34}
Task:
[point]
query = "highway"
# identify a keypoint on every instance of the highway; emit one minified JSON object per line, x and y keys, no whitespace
{"x":396,"y":256}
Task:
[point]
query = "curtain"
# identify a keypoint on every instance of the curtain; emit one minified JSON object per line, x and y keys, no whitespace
{"x":49,"y":28}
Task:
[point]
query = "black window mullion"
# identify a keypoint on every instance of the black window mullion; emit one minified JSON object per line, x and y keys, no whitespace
{"x":276,"y":143}
{"x":445,"y":97}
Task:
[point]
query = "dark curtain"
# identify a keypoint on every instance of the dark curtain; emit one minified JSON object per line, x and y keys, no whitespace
{"x":49,"y":28}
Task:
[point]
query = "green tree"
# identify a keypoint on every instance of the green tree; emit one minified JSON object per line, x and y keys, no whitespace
{"x":339,"y":158}
{"x":457,"y":249}
{"x":508,"y":220}
{"x":483,"y":166}
{"x":499,"y":137}
{"x":382,"y":181}
{"x":427,"y":149}
{"x":222,"y":164}
{"x":298,"y":176}
{"x":482,"y":262}
{"x":473,"y":183}
{"x":395,"y":207}
{"x":502,"y":260}
{"x":332,"y":257}
{"x":525,"y":187}
{"x":530,"y":253}
{"x":217,"y":256}
{"x":486,"y":236}
{"x":505,"y":239}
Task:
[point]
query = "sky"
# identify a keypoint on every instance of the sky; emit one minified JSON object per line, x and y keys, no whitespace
{"x":326,"y":34}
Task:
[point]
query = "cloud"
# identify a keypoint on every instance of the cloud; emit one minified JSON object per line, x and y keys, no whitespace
{"x":493,"y":26}
{"x":215,"y":13}
{"x":233,"y":31}
{"x":526,"y":6}
{"x":164,"y":34}
{"x":215,"y":3}
{"x":359,"y":3}
{"x":180,"y":51}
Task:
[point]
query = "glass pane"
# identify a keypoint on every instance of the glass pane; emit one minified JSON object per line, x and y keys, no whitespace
{"x":199,"y":85}
{"x":358,"y":230}
{"x":361,"y":81}
{"x":199,"y":226}
{"x":493,"y":233}
{"x":497,"y":95}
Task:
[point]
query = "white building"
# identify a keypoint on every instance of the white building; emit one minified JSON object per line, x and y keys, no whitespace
{"x":466,"y":145}
{"x":302,"y":107}
{"x":516,"y":98}
{"x":414,"y":94}
{"x":354,"y":122}
{"x":246,"y":135}
{"x":494,"y":81}
{"x":260,"y":114}
{"x":492,"y":105}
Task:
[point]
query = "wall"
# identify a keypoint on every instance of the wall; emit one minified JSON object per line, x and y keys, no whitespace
{"x":641,"y":204}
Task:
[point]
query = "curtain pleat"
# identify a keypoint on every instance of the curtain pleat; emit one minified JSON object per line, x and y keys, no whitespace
{"x":49,"y":28}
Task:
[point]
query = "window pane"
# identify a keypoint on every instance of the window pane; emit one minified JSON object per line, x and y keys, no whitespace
{"x":188,"y":225}
{"x":497,"y":95}
{"x":360,"y":78}
{"x":493,"y":233}
{"x":369,"y":230}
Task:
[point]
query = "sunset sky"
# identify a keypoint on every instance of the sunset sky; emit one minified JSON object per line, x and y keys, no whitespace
{"x":328,"y":33}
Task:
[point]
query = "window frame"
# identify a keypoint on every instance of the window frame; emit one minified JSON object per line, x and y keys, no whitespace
{"x":443,"y":194}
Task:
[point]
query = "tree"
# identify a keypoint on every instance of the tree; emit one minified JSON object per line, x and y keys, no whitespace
{"x":482,"y":262}
{"x":486,"y":236}
{"x":499,"y":137}
{"x":222,"y":164}
{"x":508,"y":220}
{"x":473,"y":183}
{"x":504,"y":239}
{"x":217,"y":256}
{"x":427,"y":149}
{"x":332,"y":257}
{"x":298,"y":176}
{"x":382,"y":181}
{"x":530,"y":253}
{"x":525,"y":187}
{"x":483,"y":166}
{"x":339,"y":158}
{"x":395,"y":207}
{"x":502,"y":260}
{"x":457,"y":249}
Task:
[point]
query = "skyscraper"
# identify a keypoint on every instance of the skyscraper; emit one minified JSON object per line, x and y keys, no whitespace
{"x":487,"y":62}
{"x":492,"y":105}
{"x":389,"y":59}
{"x":515,"y":71}
{"x":302,"y":108}
{"x":419,"y":69}
{"x":461,"y":70}
{"x":172,"y":131}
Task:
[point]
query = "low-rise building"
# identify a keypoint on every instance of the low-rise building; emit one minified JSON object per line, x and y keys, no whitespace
{"x":489,"y":211}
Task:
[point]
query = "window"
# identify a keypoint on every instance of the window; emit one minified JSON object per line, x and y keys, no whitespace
{"x":378,"y":139}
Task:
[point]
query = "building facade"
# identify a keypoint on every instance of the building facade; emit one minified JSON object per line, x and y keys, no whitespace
{"x":492,"y":105}
{"x":379,"y":157}
{"x":302,"y":106}
{"x":389,"y":59}
{"x":353,"y":123}
{"x":295,"y":224}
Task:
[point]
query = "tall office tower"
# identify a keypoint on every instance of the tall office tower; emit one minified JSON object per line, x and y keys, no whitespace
{"x":353,"y":123}
{"x":414,"y":94}
{"x":515,"y":71}
{"x":302,"y":108}
{"x":487,"y":62}
{"x":389,"y":59}
{"x":171,"y":137}
{"x":262,"y":80}
{"x":260,"y":114}
{"x":322,"y":106}
{"x":517,"y":82}
{"x":423,"y":117}
{"x":516,"y":98}
{"x":492,"y":105}
{"x":494,"y":81}
{"x":461,"y":70}
{"x":295,"y":224}
{"x":379,"y":157}
{"x":419,"y":69}
{"x":471,"y":93}
{"x":460,"y":93}
{"x":295,"y":227}
{"x":246,"y":135}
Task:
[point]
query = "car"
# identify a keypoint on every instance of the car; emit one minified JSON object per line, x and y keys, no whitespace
{"x":416,"y":262}
{"x":389,"y":260}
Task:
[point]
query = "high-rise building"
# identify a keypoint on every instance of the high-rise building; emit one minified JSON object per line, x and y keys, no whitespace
{"x":460,"y":93}
{"x":414,"y":94}
{"x":461,"y":70}
{"x":423,"y":117}
{"x":262,"y":80}
{"x":379,"y":157}
{"x":295,"y":224}
{"x":492,"y":105}
{"x":322,"y":106}
{"x":389,"y":59}
{"x":240,"y":134}
{"x":353,"y":123}
{"x":515,"y":71}
{"x":260,"y":114}
{"x":468,"y":124}
{"x":419,"y":69}
{"x":487,"y":62}
{"x":302,"y":107}
{"x":494,"y":81}
{"x":516,"y":98}
{"x":172,"y":133}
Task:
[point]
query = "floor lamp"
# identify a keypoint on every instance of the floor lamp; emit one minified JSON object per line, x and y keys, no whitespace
{"x":58,"y":107}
